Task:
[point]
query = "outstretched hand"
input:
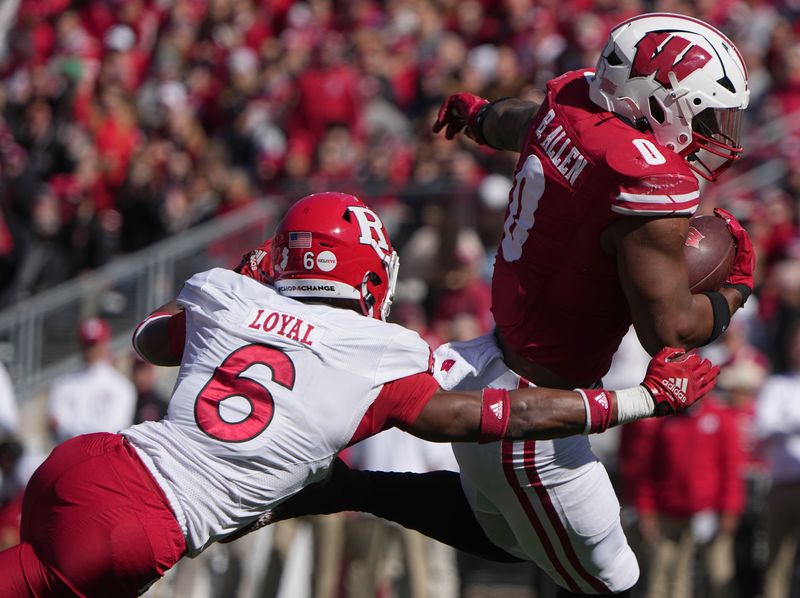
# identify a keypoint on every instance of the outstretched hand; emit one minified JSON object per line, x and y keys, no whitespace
{"x":677,"y":379}
{"x":460,"y":112}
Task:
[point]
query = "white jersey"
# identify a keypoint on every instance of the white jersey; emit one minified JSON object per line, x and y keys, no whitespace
{"x":269,"y":390}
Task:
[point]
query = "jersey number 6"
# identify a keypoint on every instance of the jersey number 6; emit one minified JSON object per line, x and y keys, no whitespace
{"x":227,"y":382}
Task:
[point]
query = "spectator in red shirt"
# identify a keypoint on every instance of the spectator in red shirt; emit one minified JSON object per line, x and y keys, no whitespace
{"x":328,"y":93}
{"x":690,"y":498}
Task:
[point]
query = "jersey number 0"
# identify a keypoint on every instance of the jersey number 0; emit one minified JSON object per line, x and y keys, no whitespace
{"x":528,"y":189}
{"x":228,"y":382}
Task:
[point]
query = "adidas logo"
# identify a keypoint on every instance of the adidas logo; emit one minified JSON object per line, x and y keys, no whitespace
{"x":677,"y":386}
{"x":602,"y":399}
{"x":497,"y":409}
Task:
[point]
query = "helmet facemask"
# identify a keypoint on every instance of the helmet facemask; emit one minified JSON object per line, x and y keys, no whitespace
{"x":715,"y":141}
{"x":368,"y":298}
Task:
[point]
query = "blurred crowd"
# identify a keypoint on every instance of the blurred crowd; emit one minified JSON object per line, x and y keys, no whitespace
{"x":124,"y":122}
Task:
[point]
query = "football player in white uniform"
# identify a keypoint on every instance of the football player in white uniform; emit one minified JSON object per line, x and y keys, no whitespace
{"x":274,"y":381}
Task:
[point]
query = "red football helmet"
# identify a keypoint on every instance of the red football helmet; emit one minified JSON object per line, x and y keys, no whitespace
{"x":332,"y":245}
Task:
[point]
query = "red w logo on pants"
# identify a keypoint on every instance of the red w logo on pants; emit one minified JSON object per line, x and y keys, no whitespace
{"x":661,"y":53}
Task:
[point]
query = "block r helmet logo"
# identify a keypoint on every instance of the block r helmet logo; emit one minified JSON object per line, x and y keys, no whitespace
{"x":662,"y":53}
{"x":371,"y":230}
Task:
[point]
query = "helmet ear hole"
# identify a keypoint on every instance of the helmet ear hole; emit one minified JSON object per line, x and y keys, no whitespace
{"x":656,"y":111}
{"x":705,"y":122}
{"x":613,"y":60}
{"x":726,"y":83}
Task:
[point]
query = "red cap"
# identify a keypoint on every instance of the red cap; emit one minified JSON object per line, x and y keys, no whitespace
{"x":94,"y":330}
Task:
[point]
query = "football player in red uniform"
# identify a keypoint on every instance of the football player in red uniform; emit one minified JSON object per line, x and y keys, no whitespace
{"x":605,"y":184}
{"x":605,"y":181}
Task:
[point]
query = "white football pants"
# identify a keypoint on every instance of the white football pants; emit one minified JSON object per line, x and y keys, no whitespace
{"x":548,"y":501}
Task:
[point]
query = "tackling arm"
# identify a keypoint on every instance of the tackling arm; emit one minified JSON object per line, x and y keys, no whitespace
{"x":674,"y":381}
{"x":653,"y":274}
{"x":532,"y":413}
{"x":160,"y":337}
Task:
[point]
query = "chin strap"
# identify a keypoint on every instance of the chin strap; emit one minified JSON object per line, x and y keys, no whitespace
{"x":367,"y":299}
{"x":639,"y":119}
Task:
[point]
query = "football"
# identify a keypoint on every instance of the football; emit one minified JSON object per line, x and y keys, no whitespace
{"x":710,"y":251}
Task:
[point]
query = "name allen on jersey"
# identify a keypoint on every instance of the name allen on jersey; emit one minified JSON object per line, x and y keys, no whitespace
{"x":555,"y":145}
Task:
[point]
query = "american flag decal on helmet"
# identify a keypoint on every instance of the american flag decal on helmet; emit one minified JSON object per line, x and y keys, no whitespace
{"x":300,"y":240}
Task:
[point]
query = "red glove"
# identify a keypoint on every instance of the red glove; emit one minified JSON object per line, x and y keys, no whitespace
{"x":257,"y":264}
{"x":745,"y":262}
{"x":676,"y":379}
{"x":460,"y":111}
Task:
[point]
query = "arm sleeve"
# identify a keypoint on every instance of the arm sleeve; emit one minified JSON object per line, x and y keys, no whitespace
{"x":398,"y":403}
{"x":406,"y":354}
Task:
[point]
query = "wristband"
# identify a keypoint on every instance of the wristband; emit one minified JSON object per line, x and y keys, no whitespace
{"x":744,"y":290}
{"x":598,"y":404}
{"x":722,"y":314}
{"x":495,"y":411}
{"x":480,"y":117}
{"x":634,"y":403}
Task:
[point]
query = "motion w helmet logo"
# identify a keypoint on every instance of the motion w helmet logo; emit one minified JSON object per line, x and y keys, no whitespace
{"x":661,"y":53}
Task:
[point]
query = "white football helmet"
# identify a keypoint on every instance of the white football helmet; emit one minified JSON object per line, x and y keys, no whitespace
{"x":680,"y":78}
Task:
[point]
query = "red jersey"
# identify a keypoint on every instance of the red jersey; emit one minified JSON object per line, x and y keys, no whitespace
{"x":695,"y":464}
{"x":556,"y":295}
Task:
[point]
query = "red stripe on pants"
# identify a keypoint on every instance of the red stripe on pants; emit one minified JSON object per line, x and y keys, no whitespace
{"x":555,"y":521}
{"x":96,"y":522}
{"x":525,"y":503}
